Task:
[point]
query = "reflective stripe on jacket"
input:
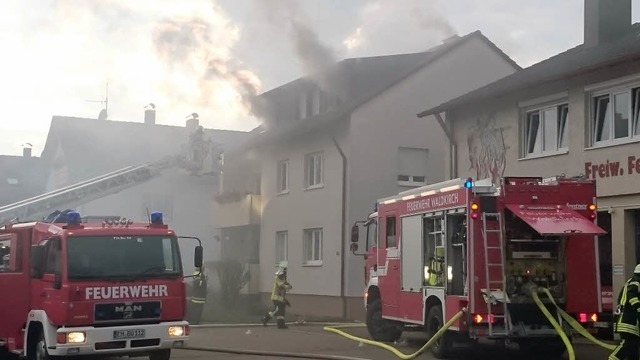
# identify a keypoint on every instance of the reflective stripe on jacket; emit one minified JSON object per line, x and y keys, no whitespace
{"x":627,"y":321}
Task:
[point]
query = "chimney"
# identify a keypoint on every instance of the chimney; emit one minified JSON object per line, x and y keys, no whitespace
{"x":605,"y":20}
{"x":26,"y":152}
{"x":150,"y":114}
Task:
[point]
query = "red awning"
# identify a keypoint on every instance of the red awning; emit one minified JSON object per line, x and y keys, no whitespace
{"x":549,"y":220}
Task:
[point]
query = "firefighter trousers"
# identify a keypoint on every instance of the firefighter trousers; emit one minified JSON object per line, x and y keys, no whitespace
{"x":278,"y":312}
{"x":627,"y":349}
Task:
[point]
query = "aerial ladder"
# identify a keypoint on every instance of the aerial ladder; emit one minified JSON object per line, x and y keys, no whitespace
{"x":38,"y":207}
{"x":200,"y":158}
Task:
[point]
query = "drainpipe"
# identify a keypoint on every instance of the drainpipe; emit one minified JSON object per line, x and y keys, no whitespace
{"x":453,"y":148}
{"x":343,"y":242}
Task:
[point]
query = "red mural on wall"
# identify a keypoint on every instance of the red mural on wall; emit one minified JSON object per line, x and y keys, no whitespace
{"x":487,"y":149}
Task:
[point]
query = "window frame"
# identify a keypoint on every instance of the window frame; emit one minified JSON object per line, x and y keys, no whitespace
{"x":284,"y":249}
{"x":309,"y":235}
{"x":561,"y":131}
{"x":311,"y":158}
{"x":279,"y":189}
{"x":632,"y":90}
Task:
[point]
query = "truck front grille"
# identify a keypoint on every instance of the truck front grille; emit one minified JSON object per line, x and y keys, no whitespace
{"x":125,"y":311}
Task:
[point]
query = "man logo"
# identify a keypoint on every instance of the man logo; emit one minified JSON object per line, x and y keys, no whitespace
{"x":128,"y":308}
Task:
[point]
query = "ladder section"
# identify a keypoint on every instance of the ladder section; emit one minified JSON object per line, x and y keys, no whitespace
{"x":494,"y":293}
{"x":82,"y":192}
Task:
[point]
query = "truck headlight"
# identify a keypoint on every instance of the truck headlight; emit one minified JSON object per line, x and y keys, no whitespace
{"x":76,"y":337}
{"x":176,"y":331}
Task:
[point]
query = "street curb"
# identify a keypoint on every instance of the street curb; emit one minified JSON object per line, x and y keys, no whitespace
{"x":294,"y":323}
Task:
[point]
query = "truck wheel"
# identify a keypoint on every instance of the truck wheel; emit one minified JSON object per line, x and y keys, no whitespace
{"x":381,"y":329}
{"x":40,"y":348}
{"x":164,"y":354}
{"x":442,"y":346}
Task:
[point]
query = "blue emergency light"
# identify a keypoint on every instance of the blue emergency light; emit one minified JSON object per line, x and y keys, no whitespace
{"x":156,"y":217}
{"x":468,"y":183}
{"x":73,"y":217}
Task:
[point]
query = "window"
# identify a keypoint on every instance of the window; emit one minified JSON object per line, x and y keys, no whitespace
{"x":313,"y":246}
{"x":313,"y":170}
{"x":97,"y":257}
{"x":10,"y":254}
{"x":412,"y":166}
{"x":545,"y":130}
{"x":304,"y":105}
{"x":372,"y":233}
{"x":53,"y":252}
{"x":283,"y":176}
{"x":282,"y":239}
{"x":615,"y":116}
{"x":391,"y":231}
{"x":434,"y":251}
{"x":316,"y":100}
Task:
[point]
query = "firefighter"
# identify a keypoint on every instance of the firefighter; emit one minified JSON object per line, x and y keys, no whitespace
{"x":627,"y":315}
{"x":280,"y":288}
{"x":198,"y":296}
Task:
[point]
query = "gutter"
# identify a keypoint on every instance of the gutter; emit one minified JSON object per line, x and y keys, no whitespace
{"x":453,"y":147}
{"x":343,"y":241}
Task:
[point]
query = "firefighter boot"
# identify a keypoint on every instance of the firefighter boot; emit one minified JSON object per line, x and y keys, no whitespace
{"x":281,"y":324}
{"x":265,"y":319}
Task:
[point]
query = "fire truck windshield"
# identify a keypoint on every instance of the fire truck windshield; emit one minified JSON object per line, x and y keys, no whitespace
{"x":122,"y":257}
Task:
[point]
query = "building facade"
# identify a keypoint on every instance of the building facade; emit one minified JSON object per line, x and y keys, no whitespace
{"x":576,"y":114}
{"x":78,"y":149}
{"x":325,"y":157}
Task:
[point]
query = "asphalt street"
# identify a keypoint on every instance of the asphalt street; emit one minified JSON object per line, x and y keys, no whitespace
{"x":313,"y":339}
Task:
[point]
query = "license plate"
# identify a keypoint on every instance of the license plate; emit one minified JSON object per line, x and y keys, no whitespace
{"x":128,"y":334}
{"x":601,"y":324}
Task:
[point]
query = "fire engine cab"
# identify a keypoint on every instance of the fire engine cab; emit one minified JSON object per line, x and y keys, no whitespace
{"x":104,"y":288}
{"x":487,"y":248}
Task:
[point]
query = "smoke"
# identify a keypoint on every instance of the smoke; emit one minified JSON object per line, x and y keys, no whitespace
{"x":395,"y":26}
{"x":187,"y":43}
{"x":179,"y":55}
{"x":314,"y":56}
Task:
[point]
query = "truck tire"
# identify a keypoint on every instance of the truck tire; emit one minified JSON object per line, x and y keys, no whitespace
{"x":40,"y":349}
{"x":381,"y":329}
{"x":441,"y":348}
{"x":164,"y":354}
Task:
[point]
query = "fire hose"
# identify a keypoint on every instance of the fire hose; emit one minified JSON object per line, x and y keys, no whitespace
{"x":398,"y":353}
{"x":565,"y":339}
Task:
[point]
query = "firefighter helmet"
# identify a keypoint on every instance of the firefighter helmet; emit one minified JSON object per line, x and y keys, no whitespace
{"x":637,"y":269}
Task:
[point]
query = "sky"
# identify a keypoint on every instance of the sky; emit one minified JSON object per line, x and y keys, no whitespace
{"x":212,"y":56}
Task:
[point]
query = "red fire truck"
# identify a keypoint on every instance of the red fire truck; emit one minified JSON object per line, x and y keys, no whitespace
{"x":75,"y":288}
{"x":435,"y":250}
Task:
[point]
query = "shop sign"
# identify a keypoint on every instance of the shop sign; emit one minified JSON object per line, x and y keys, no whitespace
{"x":609,"y":168}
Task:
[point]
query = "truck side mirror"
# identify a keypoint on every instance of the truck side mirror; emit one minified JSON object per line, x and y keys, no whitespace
{"x":355,"y":233}
{"x":37,"y":261}
{"x":198,"y":257}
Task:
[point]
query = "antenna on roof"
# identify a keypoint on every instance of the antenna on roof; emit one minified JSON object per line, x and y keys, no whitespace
{"x":104,"y":113}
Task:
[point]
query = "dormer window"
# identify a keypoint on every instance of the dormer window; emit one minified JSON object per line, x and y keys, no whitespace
{"x":303,"y":103}
{"x":315,"y":102}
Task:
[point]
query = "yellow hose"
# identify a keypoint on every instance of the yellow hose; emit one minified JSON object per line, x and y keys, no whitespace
{"x":576,"y":325}
{"x":571,"y":321}
{"x":398,"y":353}
{"x":554,"y":323}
